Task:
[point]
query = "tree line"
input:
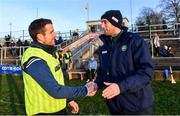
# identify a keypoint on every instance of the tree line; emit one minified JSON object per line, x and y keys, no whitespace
{"x":169,"y":13}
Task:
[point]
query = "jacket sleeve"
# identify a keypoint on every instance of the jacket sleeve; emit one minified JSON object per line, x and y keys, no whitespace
{"x":143,"y":68}
{"x":40,"y":72}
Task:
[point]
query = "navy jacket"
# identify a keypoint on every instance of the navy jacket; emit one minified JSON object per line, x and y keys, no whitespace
{"x":128,"y":63}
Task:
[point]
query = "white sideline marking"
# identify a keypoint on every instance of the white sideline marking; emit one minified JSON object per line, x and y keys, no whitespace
{"x":7,"y":102}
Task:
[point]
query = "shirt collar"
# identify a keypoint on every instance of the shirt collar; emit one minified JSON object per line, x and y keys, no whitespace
{"x":115,"y":38}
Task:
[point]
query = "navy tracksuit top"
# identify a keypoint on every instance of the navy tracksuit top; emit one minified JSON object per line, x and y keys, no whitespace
{"x":128,"y":63}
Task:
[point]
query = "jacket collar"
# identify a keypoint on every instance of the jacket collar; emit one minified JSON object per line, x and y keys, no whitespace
{"x":120,"y":37}
{"x":115,"y":39}
{"x":47,"y":48}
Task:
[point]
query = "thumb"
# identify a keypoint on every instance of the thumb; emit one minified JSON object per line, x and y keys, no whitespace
{"x":106,"y":83}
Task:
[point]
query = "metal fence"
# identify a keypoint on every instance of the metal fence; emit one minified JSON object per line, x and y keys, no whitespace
{"x":13,"y":55}
{"x":24,"y":35}
{"x":171,"y":33}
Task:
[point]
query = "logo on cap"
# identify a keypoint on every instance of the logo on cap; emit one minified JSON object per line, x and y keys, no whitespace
{"x":115,"y":19}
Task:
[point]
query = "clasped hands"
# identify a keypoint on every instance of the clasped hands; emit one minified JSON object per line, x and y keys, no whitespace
{"x":92,"y":88}
{"x":109,"y":92}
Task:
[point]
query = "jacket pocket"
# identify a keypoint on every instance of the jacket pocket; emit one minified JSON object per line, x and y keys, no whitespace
{"x":129,"y":102}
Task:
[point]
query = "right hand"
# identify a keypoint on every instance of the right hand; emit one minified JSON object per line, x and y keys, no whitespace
{"x":74,"y":106}
{"x":92,"y":88}
{"x":92,"y":93}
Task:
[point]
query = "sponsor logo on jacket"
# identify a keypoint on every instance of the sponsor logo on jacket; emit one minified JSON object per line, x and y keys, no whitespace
{"x":124,"y":48}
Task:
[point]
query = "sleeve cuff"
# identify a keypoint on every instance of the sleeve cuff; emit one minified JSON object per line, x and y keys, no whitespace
{"x":121,"y":87}
{"x":86,"y":89}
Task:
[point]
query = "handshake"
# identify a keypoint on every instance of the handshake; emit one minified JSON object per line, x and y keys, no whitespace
{"x":92,"y":88}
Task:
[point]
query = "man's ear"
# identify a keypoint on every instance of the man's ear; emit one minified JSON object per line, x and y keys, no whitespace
{"x":39,"y":37}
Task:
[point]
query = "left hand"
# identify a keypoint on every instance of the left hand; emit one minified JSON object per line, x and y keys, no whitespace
{"x":75,"y":107}
{"x":111,"y":90}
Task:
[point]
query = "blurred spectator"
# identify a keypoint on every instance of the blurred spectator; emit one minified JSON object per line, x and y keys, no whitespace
{"x":19,"y":42}
{"x":70,"y":33}
{"x":7,"y":40}
{"x":165,"y":52}
{"x":92,"y":29}
{"x":177,"y":27}
{"x":58,"y":40}
{"x":164,"y":26}
{"x":92,"y":67}
{"x":26,"y":43}
{"x":12,"y":43}
{"x":156,"y":44}
{"x":165,"y":73}
{"x":75,"y":35}
{"x":171,"y":52}
{"x":13,"y":49}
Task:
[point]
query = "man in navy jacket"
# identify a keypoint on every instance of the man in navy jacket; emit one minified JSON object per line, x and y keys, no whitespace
{"x":126,"y":68}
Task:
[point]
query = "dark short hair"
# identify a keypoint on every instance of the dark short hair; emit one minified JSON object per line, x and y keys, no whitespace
{"x":37,"y":26}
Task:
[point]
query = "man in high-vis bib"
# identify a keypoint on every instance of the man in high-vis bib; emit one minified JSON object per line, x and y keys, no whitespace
{"x":45,"y":92}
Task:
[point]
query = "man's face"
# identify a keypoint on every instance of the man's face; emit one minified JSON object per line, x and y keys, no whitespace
{"x":47,"y":38}
{"x":107,"y":27}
